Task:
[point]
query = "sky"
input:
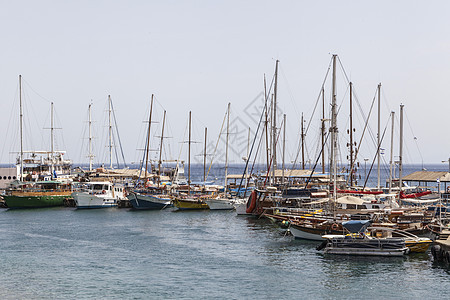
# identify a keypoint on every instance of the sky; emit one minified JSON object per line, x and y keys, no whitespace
{"x":200,"y":55}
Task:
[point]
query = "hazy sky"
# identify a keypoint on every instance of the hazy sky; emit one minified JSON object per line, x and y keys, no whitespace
{"x":200,"y":55}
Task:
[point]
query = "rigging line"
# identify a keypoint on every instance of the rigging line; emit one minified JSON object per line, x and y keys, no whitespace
{"x":364,"y":130}
{"x":415,"y":138}
{"x":342,"y":68}
{"x":31,"y":88}
{"x":271,"y":158}
{"x":375,"y":156}
{"x":322,"y":88}
{"x":254,"y":140}
{"x":118,"y":137}
{"x":217,"y":144}
{"x":288,"y":89}
{"x":317,"y":160}
{"x":115,"y":151}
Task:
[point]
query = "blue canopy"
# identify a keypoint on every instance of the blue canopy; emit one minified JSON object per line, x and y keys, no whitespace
{"x":356,"y":226}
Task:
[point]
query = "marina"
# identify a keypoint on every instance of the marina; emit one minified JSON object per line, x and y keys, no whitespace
{"x":119,"y":253}
{"x":224,"y":150}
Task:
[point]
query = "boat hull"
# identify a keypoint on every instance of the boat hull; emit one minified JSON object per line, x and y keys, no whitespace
{"x":33,"y":200}
{"x":148,"y":202}
{"x":419,"y":246}
{"x":367,"y":252}
{"x":189,"y":204}
{"x":86,"y":200}
{"x":220,"y":204}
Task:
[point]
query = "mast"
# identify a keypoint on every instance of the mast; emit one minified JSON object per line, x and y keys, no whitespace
{"x":21,"y":128}
{"x":160,"y":148}
{"x":284,"y":149}
{"x":351,"y":134}
{"x":90,"y":138}
{"x":303,"y":145}
{"x":392,"y":153}
{"x":274,"y":120}
{"x":226,"y":149}
{"x":400,"y":157}
{"x":51,"y":141}
{"x":379,"y":138}
{"x":333,"y":131}
{"x":110,"y":132}
{"x":247,"y":158}
{"x":148,"y":137}
{"x":204,"y":159}
{"x":189,"y":155}
{"x":323,"y":130}
{"x":265,"y":125}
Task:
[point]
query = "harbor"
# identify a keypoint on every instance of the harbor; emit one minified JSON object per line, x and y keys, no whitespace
{"x":224,"y":150}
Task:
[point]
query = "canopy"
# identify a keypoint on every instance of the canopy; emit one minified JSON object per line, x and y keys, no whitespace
{"x":356,"y":226}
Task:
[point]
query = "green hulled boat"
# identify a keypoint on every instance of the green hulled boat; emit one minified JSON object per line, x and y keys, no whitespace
{"x":40,"y":194}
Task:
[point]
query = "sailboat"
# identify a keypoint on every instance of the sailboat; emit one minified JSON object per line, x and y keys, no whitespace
{"x":149,"y":197}
{"x":223,"y":201}
{"x":35,"y":194}
{"x":190,"y":201}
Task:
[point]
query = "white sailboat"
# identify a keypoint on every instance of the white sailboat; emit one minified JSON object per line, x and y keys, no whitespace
{"x":223,"y":201}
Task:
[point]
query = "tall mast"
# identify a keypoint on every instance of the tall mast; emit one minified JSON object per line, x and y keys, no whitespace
{"x":226,"y":148}
{"x":351,"y":134}
{"x":189,"y":155}
{"x":246,"y":170}
{"x":204,"y":158}
{"x":333,"y":131}
{"x":51,"y":141}
{"x":148,"y":137}
{"x":266,"y":125}
{"x":379,"y":138}
{"x":303,"y":145}
{"x":110,"y":132}
{"x":323,"y":130}
{"x":21,"y":128}
{"x":90,"y":138}
{"x":160,"y":148}
{"x":284,"y":149}
{"x":392,"y":153}
{"x":274,"y":120}
{"x":400,"y":157}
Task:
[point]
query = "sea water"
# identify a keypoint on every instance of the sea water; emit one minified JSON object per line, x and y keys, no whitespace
{"x":65,"y":253}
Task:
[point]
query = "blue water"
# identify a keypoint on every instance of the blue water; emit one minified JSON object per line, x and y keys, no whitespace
{"x":121,"y":254}
{"x":64,"y":253}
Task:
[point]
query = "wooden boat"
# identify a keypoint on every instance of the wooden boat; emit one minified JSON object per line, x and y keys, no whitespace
{"x":189,"y":203}
{"x":39,"y":194}
{"x":413,"y":242}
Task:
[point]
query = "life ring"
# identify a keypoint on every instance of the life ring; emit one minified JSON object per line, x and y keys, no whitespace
{"x":103,"y":192}
{"x":335,"y":227}
{"x":448,"y":189}
{"x":251,"y":203}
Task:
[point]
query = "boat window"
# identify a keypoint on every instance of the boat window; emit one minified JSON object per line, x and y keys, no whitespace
{"x":14,"y":177}
{"x":351,"y":206}
{"x":97,"y":187}
{"x":9,"y":177}
{"x":4,"y":177}
{"x":360,"y":206}
{"x":375,"y":206}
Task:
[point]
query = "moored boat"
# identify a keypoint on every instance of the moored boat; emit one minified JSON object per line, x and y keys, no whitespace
{"x":145,"y":201}
{"x":358,"y":243}
{"x":39,"y":194}
{"x":98,"y":195}
{"x":189,"y":203}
